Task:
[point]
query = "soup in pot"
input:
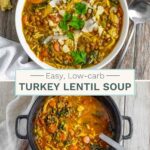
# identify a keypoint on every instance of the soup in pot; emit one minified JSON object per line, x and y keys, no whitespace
{"x":72,"y":123}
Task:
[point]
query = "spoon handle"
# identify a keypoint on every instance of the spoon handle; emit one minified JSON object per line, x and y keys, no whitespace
{"x":125,"y":47}
{"x":111,"y":142}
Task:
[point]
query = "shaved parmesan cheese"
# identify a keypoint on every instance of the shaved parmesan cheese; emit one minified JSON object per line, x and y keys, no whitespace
{"x":57,"y":29}
{"x":65,"y":49}
{"x":94,"y":18}
{"x":100,"y":11}
{"x":90,"y":25}
{"x":48,"y":39}
{"x":87,"y":25}
{"x":77,"y":34}
{"x":62,"y":12}
{"x":54,"y":3}
{"x":51,"y":23}
{"x":100,"y":30}
{"x":61,"y":41}
{"x":60,"y":37}
{"x":92,"y":2}
{"x":65,"y":1}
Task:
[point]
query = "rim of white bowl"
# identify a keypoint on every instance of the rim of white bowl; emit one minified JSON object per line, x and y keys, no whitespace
{"x":107,"y":60}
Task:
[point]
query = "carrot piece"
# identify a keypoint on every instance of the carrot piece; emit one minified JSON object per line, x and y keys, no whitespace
{"x":44,"y":53}
{"x":63,"y":137}
{"x":120,"y":11}
{"x":52,"y":128}
{"x":87,"y":148}
{"x":71,"y":132}
{"x":56,"y":46}
{"x":52,"y":103}
{"x":25,"y":19}
{"x":35,"y":1}
{"x":73,"y":147}
{"x":55,"y":18}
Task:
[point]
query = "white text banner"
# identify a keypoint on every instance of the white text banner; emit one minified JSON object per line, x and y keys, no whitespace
{"x":75,"y":82}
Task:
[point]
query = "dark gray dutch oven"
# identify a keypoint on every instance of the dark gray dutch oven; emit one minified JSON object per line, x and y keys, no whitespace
{"x":117,"y":121}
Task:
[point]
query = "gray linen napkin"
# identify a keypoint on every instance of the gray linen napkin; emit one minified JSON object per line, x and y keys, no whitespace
{"x":12,"y":57}
{"x":8,"y":139}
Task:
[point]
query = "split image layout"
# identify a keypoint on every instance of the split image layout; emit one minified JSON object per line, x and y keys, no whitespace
{"x":74,"y":34}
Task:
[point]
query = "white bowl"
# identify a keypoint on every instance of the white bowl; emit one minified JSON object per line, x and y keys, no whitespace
{"x":108,"y":59}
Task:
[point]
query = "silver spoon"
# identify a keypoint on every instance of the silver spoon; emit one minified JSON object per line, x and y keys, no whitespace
{"x":111,"y":142}
{"x":139,"y":12}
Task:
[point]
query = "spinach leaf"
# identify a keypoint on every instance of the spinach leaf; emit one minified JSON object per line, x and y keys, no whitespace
{"x":61,"y":126}
{"x":77,"y":23}
{"x":114,"y":2}
{"x":63,"y":112}
{"x":98,"y":114}
{"x":80,"y":8}
{"x":79,"y":57}
{"x":96,"y":147}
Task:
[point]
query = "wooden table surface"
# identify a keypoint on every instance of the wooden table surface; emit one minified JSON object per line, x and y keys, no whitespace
{"x":137,"y":107}
{"x":138,"y":55}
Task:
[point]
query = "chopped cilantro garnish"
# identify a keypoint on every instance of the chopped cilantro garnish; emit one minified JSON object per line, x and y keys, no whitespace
{"x":70,"y":35}
{"x":67,"y":17}
{"x":80,"y":8}
{"x":77,"y":23}
{"x":79,"y":57}
{"x":63,"y":25}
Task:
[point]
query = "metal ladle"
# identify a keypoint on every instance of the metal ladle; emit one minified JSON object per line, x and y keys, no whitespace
{"x":139,"y":12}
{"x":111,"y":142}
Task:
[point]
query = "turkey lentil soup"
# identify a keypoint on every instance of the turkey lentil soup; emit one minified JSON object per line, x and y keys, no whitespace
{"x":72,"y":123}
{"x":72,"y":33}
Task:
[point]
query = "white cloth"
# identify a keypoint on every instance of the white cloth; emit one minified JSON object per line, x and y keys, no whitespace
{"x":12,"y":57}
{"x":8,"y":139}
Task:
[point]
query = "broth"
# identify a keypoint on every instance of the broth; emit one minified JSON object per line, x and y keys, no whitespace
{"x":72,"y":123}
{"x":72,"y":33}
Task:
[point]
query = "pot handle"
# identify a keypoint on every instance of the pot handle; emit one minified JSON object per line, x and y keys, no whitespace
{"x":17,"y":124}
{"x":129,"y":135}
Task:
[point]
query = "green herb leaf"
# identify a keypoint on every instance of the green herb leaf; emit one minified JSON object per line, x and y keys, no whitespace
{"x":63,"y":112}
{"x":95,"y":147}
{"x":80,"y":8}
{"x":70,"y":35}
{"x":79,"y":57}
{"x":63,"y":25}
{"x":61,"y":126}
{"x":67,"y":17}
{"x":77,"y":23}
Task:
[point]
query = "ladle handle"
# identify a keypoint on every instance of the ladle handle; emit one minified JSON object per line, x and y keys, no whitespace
{"x":125,"y":47}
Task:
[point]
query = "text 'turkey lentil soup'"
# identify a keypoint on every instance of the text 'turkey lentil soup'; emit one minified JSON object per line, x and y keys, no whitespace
{"x":72,"y":123}
{"x":72,"y":33}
